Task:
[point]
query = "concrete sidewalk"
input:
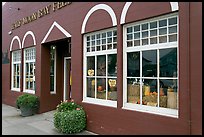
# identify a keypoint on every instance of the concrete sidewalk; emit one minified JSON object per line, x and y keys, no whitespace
{"x":38,"y":124}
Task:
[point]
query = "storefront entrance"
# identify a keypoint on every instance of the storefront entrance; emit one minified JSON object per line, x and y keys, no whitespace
{"x":67,"y":79}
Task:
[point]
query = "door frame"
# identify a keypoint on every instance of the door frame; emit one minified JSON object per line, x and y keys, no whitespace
{"x":65,"y":76}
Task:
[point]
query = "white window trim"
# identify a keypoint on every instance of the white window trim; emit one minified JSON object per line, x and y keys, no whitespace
{"x":143,"y":108}
{"x":24,"y":72}
{"x":106,"y":52}
{"x":12,"y":73}
{"x":55,"y":72}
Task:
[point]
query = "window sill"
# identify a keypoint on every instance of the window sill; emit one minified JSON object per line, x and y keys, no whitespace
{"x":101,"y":102}
{"x":152,"y":110}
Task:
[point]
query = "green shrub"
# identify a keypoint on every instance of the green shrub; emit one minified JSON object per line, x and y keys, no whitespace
{"x":29,"y":101}
{"x":69,"y":118}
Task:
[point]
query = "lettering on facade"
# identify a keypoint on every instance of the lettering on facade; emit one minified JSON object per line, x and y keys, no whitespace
{"x":40,"y":13}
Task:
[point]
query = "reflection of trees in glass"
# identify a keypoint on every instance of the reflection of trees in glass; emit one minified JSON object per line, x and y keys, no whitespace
{"x":168,"y":62}
{"x":101,"y":65}
{"x":112,"y":65}
{"x":133,"y":64}
{"x":149,"y":63}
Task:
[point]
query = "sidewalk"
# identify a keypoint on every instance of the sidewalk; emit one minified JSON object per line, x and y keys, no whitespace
{"x":38,"y":124}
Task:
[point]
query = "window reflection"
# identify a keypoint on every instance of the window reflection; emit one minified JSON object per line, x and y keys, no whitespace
{"x":168,"y":62}
{"x":133,"y":64}
{"x":149,"y":63}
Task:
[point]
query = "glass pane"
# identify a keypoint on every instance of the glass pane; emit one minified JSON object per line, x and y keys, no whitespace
{"x":129,"y":36}
{"x":114,"y":33}
{"x":97,"y":36}
{"x":98,"y":48}
{"x":112,"y":65}
{"x":153,"y":40}
{"x":112,"y":89}
{"x":103,"y":41}
{"x":153,"y":33}
{"x":91,"y":87}
{"x":133,"y":90}
{"x":173,"y":21}
{"x":172,"y":38}
{"x":92,"y":48}
{"x":136,"y":35}
{"x":88,"y":38}
{"x":109,"y":34}
{"x":149,"y":92}
{"x":137,"y":43}
{"x":88,"y":49}
{"x":168,"y":62}
{"x":114,"y":39}
{"x":18,"y":82}
{"x":145,"y":26}
{"x":149,"y":63}
{"x":103,"y":35}
{"x":168,"y":93}
{"x":93,"y":37}
{"x":172,"y":29}
{"x":101,"y":65}
{"x":162,"y":31}
{"x":129,"y":43}
{"x":109,"y":40}
{"x":129,"y":29}
{"x":153,"y":25}
{"x":109,"y":46}
{"x":145,"y":34}
{"x":144,"y":41}
{"x":162,"y":39}
{"x":88,"y":44}
{"x":115,"y":46}
{"x":98,"y":42}
{"x":91,"y":66}
{"x":133,"y":64}
{"x":136,"y":28}
{"x":162,"y":23}
{"x":101,"y":88}
{"x":103,"y":47}
{"x":52,"y":83}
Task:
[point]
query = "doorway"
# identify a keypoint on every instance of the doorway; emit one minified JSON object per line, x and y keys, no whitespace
{"x":67,"y":78}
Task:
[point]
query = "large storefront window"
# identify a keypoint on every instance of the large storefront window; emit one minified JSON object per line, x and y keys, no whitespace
{"x":100,"y":68}
{"x":52,"y":69}
{"x":16,"y":69}
{"x":29,"y":70}
{"x":151,"y":65}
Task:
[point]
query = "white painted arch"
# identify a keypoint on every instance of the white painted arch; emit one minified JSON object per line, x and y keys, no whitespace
{"x":19,"y":42}
{"x":98,"y":7}
{"x":174,"y":7}
{"x":26,"y":34}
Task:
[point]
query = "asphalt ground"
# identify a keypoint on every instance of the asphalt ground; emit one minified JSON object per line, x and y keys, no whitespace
{"x":39,"y":124}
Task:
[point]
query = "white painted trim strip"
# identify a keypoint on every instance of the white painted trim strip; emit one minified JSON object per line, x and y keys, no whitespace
{"x":33,"y":36}
{"x":124,"y":12}
{"x":19,"y":42}
{"x":97,"y":7}
{"x":59,"y":27}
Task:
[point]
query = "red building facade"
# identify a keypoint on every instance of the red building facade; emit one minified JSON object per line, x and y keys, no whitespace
{"x":135,"y":67}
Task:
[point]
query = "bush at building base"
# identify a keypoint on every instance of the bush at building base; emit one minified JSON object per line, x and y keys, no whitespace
{"x":69,"y":118}
{"x":28,"y":104}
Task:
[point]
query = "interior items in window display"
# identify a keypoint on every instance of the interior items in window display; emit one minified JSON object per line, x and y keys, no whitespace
{"x":133,"y":91}
{"x":171,"y":98}
{"x":101,"y":88}
{"x":112,"y":92}
{"x":90,"y":72}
